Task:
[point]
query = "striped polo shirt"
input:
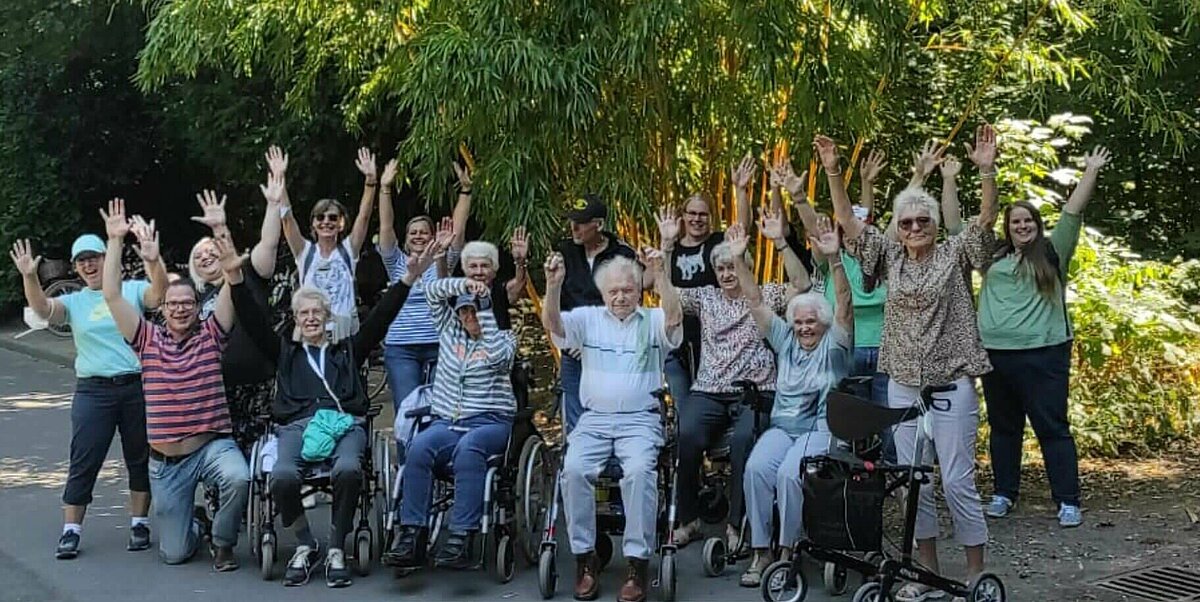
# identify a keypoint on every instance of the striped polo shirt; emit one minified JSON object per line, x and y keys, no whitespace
{"x":413,"y":326}
{"x":182,"y":383}
{"x":474,"y":376}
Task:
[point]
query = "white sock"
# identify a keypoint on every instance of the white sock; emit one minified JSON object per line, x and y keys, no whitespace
{"x":76,"y":527}
{"x":139,"y":520}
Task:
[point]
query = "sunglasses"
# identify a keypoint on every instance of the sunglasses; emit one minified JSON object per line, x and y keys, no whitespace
{"x":921,"y":223}
{"x":327,"y":217}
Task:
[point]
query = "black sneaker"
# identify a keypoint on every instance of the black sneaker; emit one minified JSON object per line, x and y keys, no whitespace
{"x":408,"y":550}
{"x":301,"y":565}
{"x":455,"y":553}
{"x":68,"y":546}
{"x":336,"y":573}
{"x":139,"y":538}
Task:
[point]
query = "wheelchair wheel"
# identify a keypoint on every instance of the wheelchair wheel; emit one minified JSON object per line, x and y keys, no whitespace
{"x":501,"y":559}
{"x":266,"y":556}
{"x":666,"y":576}
{"x":362,"y":552}
{"x":547,"y":573}
{"x":604,"y":550}
{"x":871,"y":592}
{"x":533,"y":492}
{"x":836,"y":579}
{"x":713,"y":557}
{"x":382,"y":452}
{"x":987,"y":587}
{"x":781,"y":584}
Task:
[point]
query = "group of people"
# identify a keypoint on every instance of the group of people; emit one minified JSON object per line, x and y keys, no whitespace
{"x":894,"y":303}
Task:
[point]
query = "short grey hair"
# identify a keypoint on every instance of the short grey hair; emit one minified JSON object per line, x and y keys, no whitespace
{"x":481,"y":249}
{"x":811,"y":300}
{"x":309,"y":293}
{"x":723,"y":253}
{"x":916,"y":200}
{"x":619,"y":265}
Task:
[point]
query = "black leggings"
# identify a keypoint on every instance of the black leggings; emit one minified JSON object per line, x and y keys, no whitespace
{"x":102,"y":406}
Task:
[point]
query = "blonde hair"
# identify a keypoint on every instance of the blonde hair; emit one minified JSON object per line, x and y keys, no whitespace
{"x":201,"y":283}
{"x":309,"y":293}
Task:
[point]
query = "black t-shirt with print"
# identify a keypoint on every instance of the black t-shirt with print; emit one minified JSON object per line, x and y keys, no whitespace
{"x":691,"y":267}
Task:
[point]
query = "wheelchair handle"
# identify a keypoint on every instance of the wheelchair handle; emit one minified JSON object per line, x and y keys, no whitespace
{"x":420,"y":412}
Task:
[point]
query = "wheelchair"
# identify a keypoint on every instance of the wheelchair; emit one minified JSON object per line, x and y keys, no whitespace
{"x":261,"y":510}
{"x":496,"y":546}
{"x":844,"y":492}
{"x":610,"y":514}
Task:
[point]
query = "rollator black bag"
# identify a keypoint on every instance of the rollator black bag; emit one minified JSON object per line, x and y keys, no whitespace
{"x":843,"y":507}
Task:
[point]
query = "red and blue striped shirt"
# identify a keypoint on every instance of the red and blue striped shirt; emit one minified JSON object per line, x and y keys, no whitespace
{"x":182,"y":383}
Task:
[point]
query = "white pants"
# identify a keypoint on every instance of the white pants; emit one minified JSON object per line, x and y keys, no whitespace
{"x":954,"y":432}
{"x":635,"y":439}
{"x":773,"y":475}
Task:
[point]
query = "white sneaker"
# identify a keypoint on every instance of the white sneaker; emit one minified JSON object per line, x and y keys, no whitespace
{"x":1000,"y":507}
{"x":1069,"y":516}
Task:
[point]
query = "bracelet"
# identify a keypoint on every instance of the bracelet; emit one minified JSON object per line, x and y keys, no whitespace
{"x":370,"y":184}
{"x":833,"y":173}
{"x":991,"y":174}
{"x":464,"y":191}
{"x":283,"y":210}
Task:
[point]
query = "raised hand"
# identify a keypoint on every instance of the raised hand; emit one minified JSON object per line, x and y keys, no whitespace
{"x":736,"y":237}
{"x":555,"y":270}
{"x":147,"y":237}
{"x":22,"y":256}
{"x":227,"y":254}
{"x":827,"y":150}
{"x":115,"y":224}
{"x":787,"y":178}
{"x":464,"y":177}
{"x":771,"y":224}
{"x":214,"y":210}
{"x":826,"y":240}
{"x":519,"y":243}
{"x":872,"y":166}
{"x":1097,"y":159}
{"x":445,"y":233}
{"x":389,"y":174}
{"x":742,"y":173}
{"x":651,"y":258}
{"x":669,"y":225}
{"x":272,"y":190}
{"x":950,"y":167}
{"x":418,"y":263}
{"x":983,"y":154}
{"x":478,"y":288}
{"x":929,"y":157}
{"x":366,"y":164}
{"x":277,"y":162}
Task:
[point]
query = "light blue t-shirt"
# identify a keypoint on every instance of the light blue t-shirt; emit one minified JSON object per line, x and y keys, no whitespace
{"x":806,"y":377}
{"x":100,"y":350}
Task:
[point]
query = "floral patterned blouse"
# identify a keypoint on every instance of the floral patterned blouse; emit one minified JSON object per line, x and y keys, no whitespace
{"x":930,"y":332}
{"x":731,"y":348}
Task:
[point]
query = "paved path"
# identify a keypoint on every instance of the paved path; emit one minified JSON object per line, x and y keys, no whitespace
{"x":34,"y":433}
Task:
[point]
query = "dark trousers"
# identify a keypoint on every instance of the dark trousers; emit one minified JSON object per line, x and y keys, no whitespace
{"x":345,"y":478}
{"x":1033,"y":383}
{"x":101,"y":407}
{"x":703,"y":420}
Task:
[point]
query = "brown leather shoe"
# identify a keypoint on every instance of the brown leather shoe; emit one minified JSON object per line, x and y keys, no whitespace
{"x":634,"y":589}
{"x":587,"y":586}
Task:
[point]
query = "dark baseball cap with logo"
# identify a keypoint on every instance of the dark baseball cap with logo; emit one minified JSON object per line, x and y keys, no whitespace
{"x":587,"y":208}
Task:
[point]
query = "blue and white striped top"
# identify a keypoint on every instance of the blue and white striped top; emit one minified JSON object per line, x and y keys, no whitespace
{"x":474,"y":376}
{"x":414,"y":325}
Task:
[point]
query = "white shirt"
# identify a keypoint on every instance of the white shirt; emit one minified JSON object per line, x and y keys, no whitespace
{"x":622,"y":359}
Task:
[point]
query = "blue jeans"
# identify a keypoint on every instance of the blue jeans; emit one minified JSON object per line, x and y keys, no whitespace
{"x":407,"y":366}
{"x":866,"y":362}
{"x":679,"y":380}
{"x":570,"y":372}
{"x":220,"y":464}
{"x":101,"y":407}
{"x":465,"y":444}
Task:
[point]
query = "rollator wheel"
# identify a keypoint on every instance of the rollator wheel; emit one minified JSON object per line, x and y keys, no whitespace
{"x":266,"y":556}
{"x":666,"y":576}
{"x":836,"y":579}
{"x":987,"y":588}
{"x":713,"y":557}
{"x":503,"y":565}
{"x":532,"y":496}
{"x":362,"y":552}
{"x":604,"y":549}
{"x":781,"y":584}
{"x":871,"y":592}
{"x":547,"y":573}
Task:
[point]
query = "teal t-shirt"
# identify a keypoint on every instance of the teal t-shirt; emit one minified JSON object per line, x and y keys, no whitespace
{"x":100,"y":350}
{"x":868,"y":307}
{"x":1012,"y":313}
{"x":804,"y":378}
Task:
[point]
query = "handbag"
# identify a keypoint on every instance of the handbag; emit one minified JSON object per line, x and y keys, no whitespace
{"x":327,"y":426}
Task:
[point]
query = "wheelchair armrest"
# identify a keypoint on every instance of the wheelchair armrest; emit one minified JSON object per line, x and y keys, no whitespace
{"x":374,"y":409}
{"x":420,"y":412}
{"x":850,"y":383}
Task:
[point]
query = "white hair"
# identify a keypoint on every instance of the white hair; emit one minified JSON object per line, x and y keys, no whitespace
{"x":916,"y":200}
{"x":722,"y":254}
{"x":481,"y":249}
{"x":200,"y":283}
{"x":619,"y":265}
{"x":309,"y":293}
{"x":811,"y":300}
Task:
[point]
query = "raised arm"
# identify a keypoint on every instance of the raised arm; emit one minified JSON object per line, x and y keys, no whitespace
{"x":925,"y":161}
{"x":784,"y":177}
{"x":277,"y":162}
{"x":252,"y":316}
{"x":266,"y":250}
{"x":842,"y":210}
{"x":117,"y":226}
{"x":742,"y":175}
{"x":387,"y":213}
{"x":46,"y":308}
{"x":983,"y":155}
{"x":231,"y":265}
{"x":668,"y":295}
{"x":515,"y":288}
{"x":737,"y":240}
{"x":551,"y":311}
{"x":771,"y":226}
{"x":362,"y":222}
{"x":951,"y":210}
{"x":156,"y":270}
{"x":1093,"y":162}
{"x":868,"y":171}
{"x":828,"y":243}
{"x":375,"y":326}
{"x":462,"y":208}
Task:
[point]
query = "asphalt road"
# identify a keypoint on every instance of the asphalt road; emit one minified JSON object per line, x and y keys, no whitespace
{"x":34,"y":435}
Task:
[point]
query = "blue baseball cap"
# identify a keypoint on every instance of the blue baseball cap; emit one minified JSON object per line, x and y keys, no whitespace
{"x":88,"y":243}
{"x":465,"y":300}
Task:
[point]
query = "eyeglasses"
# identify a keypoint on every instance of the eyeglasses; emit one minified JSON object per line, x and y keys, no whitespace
{"x":696,"y":213}
{"x":921,"y":223}
{"x":327,"y":217}
{"x":174,"y":305}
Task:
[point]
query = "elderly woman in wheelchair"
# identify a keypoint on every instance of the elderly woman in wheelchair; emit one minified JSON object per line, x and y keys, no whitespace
{"x":321,"y":412}
{"x":813,"y":353}
{"x":472,"y":411}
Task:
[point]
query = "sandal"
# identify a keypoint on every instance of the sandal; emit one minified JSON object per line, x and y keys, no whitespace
{"x":753,"y":575}
{"x":917,"y":592}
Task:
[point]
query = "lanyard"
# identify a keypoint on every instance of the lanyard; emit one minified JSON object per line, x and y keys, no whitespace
{"x":319,"y":369}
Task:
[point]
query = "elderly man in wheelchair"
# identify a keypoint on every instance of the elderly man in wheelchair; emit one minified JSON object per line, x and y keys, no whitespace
{"x":471,"y":412}
{"x":624,"y":348}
